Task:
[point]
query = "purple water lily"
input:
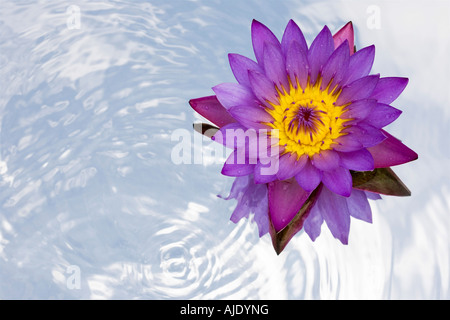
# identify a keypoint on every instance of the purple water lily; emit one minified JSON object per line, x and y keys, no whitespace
{"x":320,"y":114}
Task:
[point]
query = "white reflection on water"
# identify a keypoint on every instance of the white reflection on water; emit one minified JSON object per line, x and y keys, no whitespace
{"x":86,"y":115}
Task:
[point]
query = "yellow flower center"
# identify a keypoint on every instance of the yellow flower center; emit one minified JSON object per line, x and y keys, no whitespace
{"x":308,"y":121}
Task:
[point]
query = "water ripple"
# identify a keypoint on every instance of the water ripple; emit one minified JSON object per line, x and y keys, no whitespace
{"x":93,"y":207}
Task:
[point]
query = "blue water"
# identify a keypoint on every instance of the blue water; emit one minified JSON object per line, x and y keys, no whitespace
{"x":93,"y":207}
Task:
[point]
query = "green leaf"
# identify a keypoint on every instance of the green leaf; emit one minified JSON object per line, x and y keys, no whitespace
{"x":380,"y":180}
{"x":205,"y":129}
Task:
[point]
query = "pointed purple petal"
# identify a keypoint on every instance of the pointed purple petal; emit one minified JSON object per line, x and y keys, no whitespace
{"x":241,"y":210}
{"x":360,"y":160}
{"x":289,"y":166}
{"x":227,"y":135}
{"x":261,"y":35}
{"x":266,"y":149}
{"x":359,"y":65}
{"x":309,"y":177}
{"x":238,"y":188}
{"x":237,"y":166}
{"x":391,"y":152}
{"x":335,"y":213}
{"x":326,"y":160}
{"x":261,"y":216}
{"x":345,"y":33}
{"x":313,"y":223}
{"x":347,"y":143}
{"x":358,"y":206}
{"x":359,"y":109}
{"x":263,"y":88}
{"x":210,"y":108}
{"x":339,"y":181}
{"x":240,"y":65}
{"x":265,"y":172}
{"x":297,"y":66}
{"x":321,"y":49}
{"x":234,"y":94}
{"x":251,"y":117}
{"x":357,"y":90}
{"x":244,"y":142}
{"x":388,"y":89}
{"x":382,"y":115}
{"x":334,"y":69}
{"x":372,"y":195}
{"x":293,"y":33}
{"x":285,"y":200}
{"x":367,"y":135}
{"x":250,"y":197}
{"x":275,"y":66}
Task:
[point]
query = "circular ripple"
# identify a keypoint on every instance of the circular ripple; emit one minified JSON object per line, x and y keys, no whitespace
{"x":185,"y":267}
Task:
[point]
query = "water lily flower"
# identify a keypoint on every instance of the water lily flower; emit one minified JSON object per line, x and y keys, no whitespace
{"x":320,"y":114}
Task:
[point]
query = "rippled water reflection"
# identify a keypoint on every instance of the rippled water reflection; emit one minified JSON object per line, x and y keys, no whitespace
{"x":93,"y":207}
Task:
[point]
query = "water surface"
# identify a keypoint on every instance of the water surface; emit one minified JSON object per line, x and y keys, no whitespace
{"x":93,"y":207}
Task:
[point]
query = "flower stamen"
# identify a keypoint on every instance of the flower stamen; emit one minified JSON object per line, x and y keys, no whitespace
{"x":308,"y":119}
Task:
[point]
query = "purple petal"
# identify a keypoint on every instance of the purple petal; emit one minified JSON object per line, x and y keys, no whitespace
{"x":261,"y":35}
{"x":290,"y":166}
{"x":347,"y":143}
{"x":309,"y":177}
{"x":359,"y":65}
{"x":357,"y":90}
{"x":313,"y":223}
{"x":261,"y":169}
{"x":285,"y":200}
{"x":242,"y":209}
{"x":293,"y":33}
{"x":371,"y":195}
{"x":359,"y":109}
{"x":358,"y":206}
{"x":237,"y":166}
{"x":228,"y":135}
{"x":367,"y":135}
{"x":210,"y":108}
{"x":238,"y":187}
{"x":297,"y":66}
{"x":382,"y":115}
{"x":345,"y":33}
{"x":391,"y":152}
{"x":388,"y":89}
{"x":261,"y":216}
{"x":335,"y":213}
{"x":266,"y":149}
{"x":275,"y":66}
{"x":250,"y":197}
{"x":244,"y":142}
{"x":360,"y":160}
{"x":251,"y":117}
{"x":334,"y":69}
{"x":321,"y":49}
{"x":339,"y":181}
{"x":240,"y":65}
{"x":234,"y":94}
{"x":326,"y":160}
{"x":263,"y":88}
